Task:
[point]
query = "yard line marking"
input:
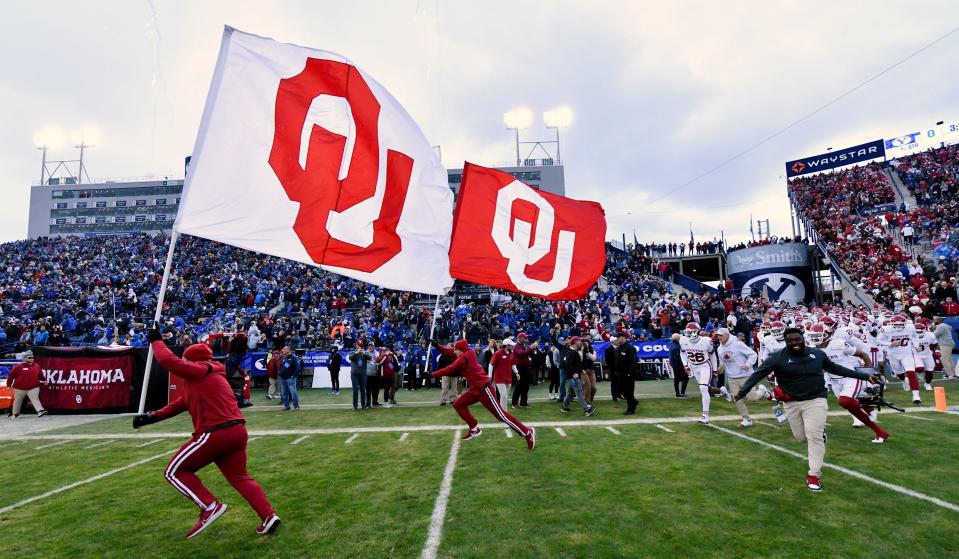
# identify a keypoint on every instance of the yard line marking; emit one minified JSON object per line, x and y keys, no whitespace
{"x":848,"y":472}
{"x":103,"y":443}
{"x":667,"y":429}
{"x":828,"y":424}
{"x":251,"y":439}
{"x":590,"y":422}
{"x":766,"y":424}
{"x":148,"y":443}
{"x":97,"y":477}
{"x":560,"y":431}
{"x":48,"y":445}
{"x":353,"y":438}
{"x":914,"y":417}
{"x":442,"y":499}
{"x":613,"y":430}
{"x":301,"y":439}
{"x":404,"y":436}
{"x":509,"y":433}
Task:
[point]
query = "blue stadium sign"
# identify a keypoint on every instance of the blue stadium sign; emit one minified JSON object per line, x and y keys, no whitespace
{"x":838,"y":158}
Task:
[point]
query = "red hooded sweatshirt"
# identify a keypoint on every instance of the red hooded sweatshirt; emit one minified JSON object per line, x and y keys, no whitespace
{"x":465,"y":365}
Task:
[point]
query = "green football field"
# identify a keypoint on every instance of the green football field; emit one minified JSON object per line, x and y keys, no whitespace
{"x":397,"y":483}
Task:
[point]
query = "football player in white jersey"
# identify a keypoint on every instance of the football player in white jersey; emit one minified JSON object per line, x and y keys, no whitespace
{"x":774,"y":341}
{"x":698,"y":355}
{"x":897,"y":340}
{"x":848,"y":390}
{"x":926,"y":348}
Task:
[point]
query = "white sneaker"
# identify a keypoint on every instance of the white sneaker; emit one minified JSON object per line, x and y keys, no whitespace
{"x":856,"y":424}
{"x":746,"y":422}
{"x":928,"y":386}
{"x":905,"y":385}
{"x":704,"y":419}
{"x":874,"y":416}
{"x":725,"y":394}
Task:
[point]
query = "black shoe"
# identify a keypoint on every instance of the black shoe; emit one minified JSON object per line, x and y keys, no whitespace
{"x":589,"y":411}
{"x":245,"y":404}
{"x":565,"y":410}
{"x":629,"y":412}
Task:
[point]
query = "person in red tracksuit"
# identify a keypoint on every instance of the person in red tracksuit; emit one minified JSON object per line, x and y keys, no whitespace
{"x":467,"y":365}
{"x":219,"y":434}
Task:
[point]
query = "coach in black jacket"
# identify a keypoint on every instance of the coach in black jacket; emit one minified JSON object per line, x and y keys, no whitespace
{"x":625,"y":363}
{"x":802,"y":389}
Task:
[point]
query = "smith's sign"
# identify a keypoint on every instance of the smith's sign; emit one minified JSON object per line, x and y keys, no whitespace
{"x":833,"y":159}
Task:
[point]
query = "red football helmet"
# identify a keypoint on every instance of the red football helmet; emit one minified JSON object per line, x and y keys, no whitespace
{"x":816,"y":334}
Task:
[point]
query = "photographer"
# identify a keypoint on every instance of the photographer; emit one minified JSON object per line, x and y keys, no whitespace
{"x":802,"y":389}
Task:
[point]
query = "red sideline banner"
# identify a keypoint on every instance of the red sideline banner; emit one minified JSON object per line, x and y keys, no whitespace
{"x":85,"y":382}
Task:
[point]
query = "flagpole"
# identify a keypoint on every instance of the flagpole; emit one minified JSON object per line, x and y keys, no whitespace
{"x":156,"y":318}
{"x":429,"y":346}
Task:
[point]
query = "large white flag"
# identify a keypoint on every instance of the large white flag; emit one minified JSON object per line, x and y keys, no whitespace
{"x":302,"y":155}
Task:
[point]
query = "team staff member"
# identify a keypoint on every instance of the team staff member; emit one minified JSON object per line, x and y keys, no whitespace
{"x":502,"y":367}
{"x":522,"y":356}
{"x":738,"y":359}
{"x":219,"y":434}
{"x":680,"y":378}
{"x":802,"y":388}
{"x":25,"y":381}
{"x":624,"y":363}
{"x":467,"y":365}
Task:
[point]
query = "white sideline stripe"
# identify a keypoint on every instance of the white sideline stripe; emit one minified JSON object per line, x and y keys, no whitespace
{"x":103,"y":443}
{"x":443,"y":499}
{"x":613,"y":430}
{"x":560,"y":431}
{"x":509,"y":433}
{"x":667,"y":429}
{"x":404,"y":436}
{"x":148,"y":443}
{"x":353,"y":438}
{"x":51,"y":444}
{"x":98,"y":477}
{"x":848,"y":472}
{"x":767,"y":424}
{"x":251,"y":439}
{"x":828,"y":424}
{"x":592,"y":422}
{"x":913,"y":417}
{"x":299,"y":440}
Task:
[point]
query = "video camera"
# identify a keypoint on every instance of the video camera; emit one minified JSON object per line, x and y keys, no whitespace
{"x":874,"y":394}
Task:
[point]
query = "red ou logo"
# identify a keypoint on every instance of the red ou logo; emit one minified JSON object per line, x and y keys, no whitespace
{"x":316,"y":182}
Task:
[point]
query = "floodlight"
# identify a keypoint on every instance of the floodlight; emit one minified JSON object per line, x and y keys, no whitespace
{"x":518,"y":119}
{"x":561,"y":117}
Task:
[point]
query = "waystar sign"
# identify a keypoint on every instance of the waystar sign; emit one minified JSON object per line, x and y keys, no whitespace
{"x":838,"y":158}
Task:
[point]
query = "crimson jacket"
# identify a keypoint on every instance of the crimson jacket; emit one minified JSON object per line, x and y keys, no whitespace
{"x":24,"y":377}
{"x":502,"y":364}
{"x":465,"y":365}
{"x":206,"y":393}
{"x":521,"y":355}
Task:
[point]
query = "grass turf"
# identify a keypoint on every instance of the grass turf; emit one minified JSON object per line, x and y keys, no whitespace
{"x":697,"y":492}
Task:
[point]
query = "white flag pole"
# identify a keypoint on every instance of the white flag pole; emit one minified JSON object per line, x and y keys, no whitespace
{"x":156,"y":318}
{"x":429,"y":346}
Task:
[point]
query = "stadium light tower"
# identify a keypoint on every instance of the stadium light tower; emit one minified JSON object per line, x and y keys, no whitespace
{"x":80,"y":139}
{"x":47,"y":139}
{"x":517,"y":120}
{"x":555,"y":119}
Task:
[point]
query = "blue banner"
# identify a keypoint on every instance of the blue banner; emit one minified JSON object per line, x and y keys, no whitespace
{"x":649,"y":349}
{"x":838,"y":158}
{"x":877,"y":209}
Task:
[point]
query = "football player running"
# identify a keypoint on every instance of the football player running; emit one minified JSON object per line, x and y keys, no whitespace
{"x":738,"y":360}
{"x":926,"y":348}
{"x":897,"y":339}
{"x":698,"y":354}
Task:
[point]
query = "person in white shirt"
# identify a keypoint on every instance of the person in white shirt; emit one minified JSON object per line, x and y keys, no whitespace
{"x":738,"y":360}
{"x":926,"y":349}
{"x":253,"y":337}
{"x":897,"y":340}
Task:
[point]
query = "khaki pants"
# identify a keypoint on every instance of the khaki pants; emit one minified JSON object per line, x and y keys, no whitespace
{"x":588,"y":377}
{"x":735,"y":385}
{"x":452,"y":387}
{"x":503,"y":389}
{"x":19,"y":395}
{"x":272,"y":390}
{"x":948,"y":366}
{"x":807,"y":419}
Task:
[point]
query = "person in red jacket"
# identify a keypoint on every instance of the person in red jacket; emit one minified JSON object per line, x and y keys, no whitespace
{"x":25,"y":381}
{"x":479,"y":390}
{"x":219,"y":434}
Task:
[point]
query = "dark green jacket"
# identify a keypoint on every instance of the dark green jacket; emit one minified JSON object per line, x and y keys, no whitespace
{"x":800,"y":376}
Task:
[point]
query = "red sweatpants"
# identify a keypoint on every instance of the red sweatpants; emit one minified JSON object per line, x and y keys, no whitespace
{"x":227,"y":449}
{"x":484,"y":395}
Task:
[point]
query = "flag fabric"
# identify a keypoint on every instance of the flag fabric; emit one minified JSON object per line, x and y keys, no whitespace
{"x":302,"y":155}
{"x":509,"y":235}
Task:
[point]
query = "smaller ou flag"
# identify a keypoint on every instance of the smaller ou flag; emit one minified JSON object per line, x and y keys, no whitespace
{"x":509,"y":235}
{"x":302,"y":155}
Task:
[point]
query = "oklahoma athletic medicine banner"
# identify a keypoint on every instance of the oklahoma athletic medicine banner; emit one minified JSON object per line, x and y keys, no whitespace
{"x":80,"y":379}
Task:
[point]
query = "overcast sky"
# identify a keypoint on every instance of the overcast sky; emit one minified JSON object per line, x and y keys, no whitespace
{"x":661,"y":91}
